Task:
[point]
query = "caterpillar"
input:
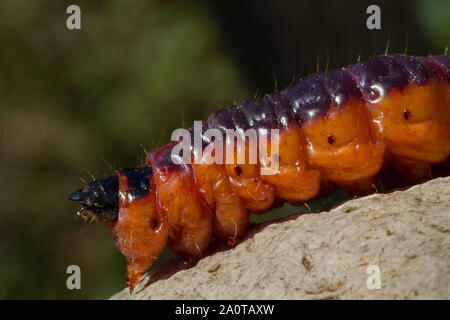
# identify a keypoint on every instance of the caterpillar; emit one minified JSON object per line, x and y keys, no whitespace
{"x":338,"y":128}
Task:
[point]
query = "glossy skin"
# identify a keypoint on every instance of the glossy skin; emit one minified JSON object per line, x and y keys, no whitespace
{"x":140,"y":232}
{"x":339,"y":128}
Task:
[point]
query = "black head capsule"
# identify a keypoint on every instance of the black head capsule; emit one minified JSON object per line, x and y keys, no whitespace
{"x":101,"y":197}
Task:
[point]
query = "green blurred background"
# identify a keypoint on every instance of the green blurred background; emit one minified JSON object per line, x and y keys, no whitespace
{"x":81,"y":103}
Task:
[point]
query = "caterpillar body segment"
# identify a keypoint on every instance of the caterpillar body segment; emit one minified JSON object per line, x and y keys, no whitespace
{"x":346,"y":128}
{"x":140,"y":232}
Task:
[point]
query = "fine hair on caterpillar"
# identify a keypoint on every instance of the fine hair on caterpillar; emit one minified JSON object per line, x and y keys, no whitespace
{"x":385,"y":120}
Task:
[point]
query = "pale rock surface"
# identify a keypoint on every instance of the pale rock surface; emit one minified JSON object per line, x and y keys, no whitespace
{"x":327,"y":255}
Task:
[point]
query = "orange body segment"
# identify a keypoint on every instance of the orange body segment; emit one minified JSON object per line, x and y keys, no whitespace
{"x":246,"y":182}
{"x":140,"y":232}
{"x":295,"y":180}
{"x":189,"y":220}
{"x":415,"y":121}
{"x":342,"y":144}
{"x":231,"y":218}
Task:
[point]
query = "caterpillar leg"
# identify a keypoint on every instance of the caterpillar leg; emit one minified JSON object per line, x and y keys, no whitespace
{"x":231,"y":218}
{"x":361,"y":187}
{"x":295,"y":181}
{"x":189,"y":220}
{"x":245,"y":180}
{"x":400,"y":171}
{"x":256,"y":194}
{"x":413,"y":172}
{"x":441,"y":169}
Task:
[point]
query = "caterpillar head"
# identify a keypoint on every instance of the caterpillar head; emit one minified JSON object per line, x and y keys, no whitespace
{"x":99,"y":199}
{"x":127,"y":203}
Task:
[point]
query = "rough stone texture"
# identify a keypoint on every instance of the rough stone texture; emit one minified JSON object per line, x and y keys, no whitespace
{"x":326,"y":255}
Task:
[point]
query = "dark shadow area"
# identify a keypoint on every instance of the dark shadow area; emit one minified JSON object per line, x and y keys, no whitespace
{"x":287,"y":37}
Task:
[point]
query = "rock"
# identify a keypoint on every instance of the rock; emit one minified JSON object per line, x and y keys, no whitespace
{"x":406,"y":234}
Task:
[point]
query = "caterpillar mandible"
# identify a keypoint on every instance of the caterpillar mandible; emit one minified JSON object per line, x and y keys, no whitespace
{"x":335,"y":128}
